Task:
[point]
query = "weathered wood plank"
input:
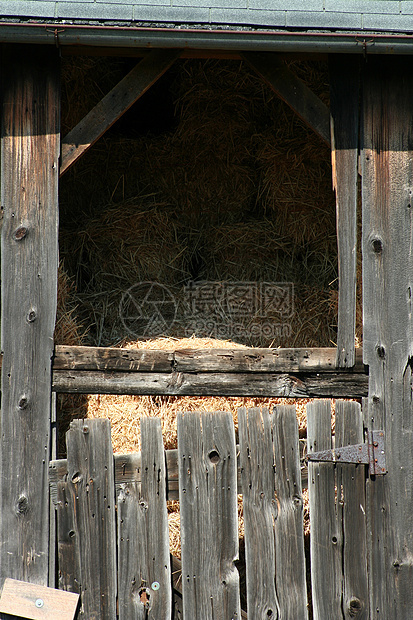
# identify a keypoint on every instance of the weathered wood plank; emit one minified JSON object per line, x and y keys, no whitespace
{"x":326,"y":535}
{"x":335,"y":385}
{"x":177,"y":585}
{"x":86,"y":520}
{"x":260,"y":512}
{"x":20,"y":599}
{"x":344,"y":109}
{"x":199,"y":360}
{"x":114,"y":104}
{"x":292,"y":90}
{"x":144,"y":582}
{"x":209,"y":525}
{"x":351,"y":509}
{"x":29,"y":261}
{"x":387,"y":189}
{"x":289,"y":528}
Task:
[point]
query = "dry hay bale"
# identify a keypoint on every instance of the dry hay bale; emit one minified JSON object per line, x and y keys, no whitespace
{"x":206,"y":167}
{"x":134,"y":242}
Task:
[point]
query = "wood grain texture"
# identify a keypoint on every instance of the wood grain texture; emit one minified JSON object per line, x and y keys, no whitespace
{"x":351,"y":510}
{"x":289,"y":528}
{"x":29,"y":261}
{"x":292,"y":90}
{"x":300,"y":385}
{"x":387,"y":188}
{"x":209,"y":523}
{"x":344,"y":110}
{"x":114,"y":104}
{"x":18,"y":599}
{"x":260,"y":512}
{"x":143,"y":535}
{"x":326,"y":535}
{"x":86,"y":520}
{"x":199,"y":360}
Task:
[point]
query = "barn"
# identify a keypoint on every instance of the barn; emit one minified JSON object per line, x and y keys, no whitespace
{"x":208,"y":170}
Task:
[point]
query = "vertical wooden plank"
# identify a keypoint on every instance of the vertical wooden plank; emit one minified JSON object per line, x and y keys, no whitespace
{"x":387,"y":188}
{"x":86,"y":520}
{"x":208,"y":502}
{"x":326,"y":534}
{"x":344,"y":110}
{"x":273,"y":514}
{"x":145,"y":590}
{"x":351,"y":495}
{"x":289,"y":527}
{"x":29,"y":261}
{"x":260,"y":512}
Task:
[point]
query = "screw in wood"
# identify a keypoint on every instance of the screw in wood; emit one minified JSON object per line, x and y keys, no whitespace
{"x":39,"y":603}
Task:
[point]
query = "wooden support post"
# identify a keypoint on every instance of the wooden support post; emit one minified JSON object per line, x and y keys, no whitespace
{"x":344,"y":108}
{"x":29,"y":261}
{"x":387,"y":183}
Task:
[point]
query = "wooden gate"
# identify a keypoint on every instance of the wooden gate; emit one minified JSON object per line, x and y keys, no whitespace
{"x":112,"y":526}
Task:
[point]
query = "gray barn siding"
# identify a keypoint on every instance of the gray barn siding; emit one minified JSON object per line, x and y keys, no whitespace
{"x":377,"y":15}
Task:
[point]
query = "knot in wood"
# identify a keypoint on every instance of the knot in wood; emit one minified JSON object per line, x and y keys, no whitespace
{"x":21,"y":233}
{"x":377,"y":245}
{"x":354,"y":607}
{"x":31,"y":316}
{"x":22,"y":507}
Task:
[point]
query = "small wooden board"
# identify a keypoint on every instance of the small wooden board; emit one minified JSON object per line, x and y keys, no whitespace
{"x":28,"y":600}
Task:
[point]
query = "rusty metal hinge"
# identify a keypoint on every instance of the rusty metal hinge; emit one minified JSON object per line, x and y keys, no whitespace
{"x":371,"y":453}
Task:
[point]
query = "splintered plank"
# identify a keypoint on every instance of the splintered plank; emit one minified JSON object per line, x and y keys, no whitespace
{"x":273,"y":514}
{"x":114,"y":104}
{"x":292,"y":90}
{"x":351,"y":509}
{"x":387,"y":190}
{"x":143,"y":537}
{"x":209,"y":525}
{"x":326,"y":535}
{"x":30,"y":113}
{"x":344,"y":109}
{"x":86,"y":520}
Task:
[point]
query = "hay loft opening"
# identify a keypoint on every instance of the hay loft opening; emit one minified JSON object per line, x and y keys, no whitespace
{"x":208,"y":178}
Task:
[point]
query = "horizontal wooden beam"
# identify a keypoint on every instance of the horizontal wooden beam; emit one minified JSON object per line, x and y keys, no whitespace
{"x":128,"y":469}
{"x":300,"y":385}
{"x":199,"y":360}
{"x":292,"y":90}
{"x":114,"y":104}
{"x":288,"y":373}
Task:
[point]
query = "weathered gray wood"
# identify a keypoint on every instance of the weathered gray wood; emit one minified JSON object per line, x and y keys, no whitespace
{"x":209,"y":526}
{"x":326,"y":535}
{"x":128,"y":469}
{"x":198,"y":360}
{"x":144,"y":582}
{"x":273,"y":513}
{"x":387,"y":188}
{"x":351,"y":498}
{"x":177,"y":586}
{"x":335,"y":385}
{"x":114,"y":104}
{"x":29,"y":261}
{"x":260,"y":512}
{"x":86,"y":520}
{"x":344,"y":109}
{"x":292,"y":90}
{"x":289,"y":528}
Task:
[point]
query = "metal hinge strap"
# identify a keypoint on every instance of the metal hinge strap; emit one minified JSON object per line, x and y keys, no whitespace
{"x":371,"y":453}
